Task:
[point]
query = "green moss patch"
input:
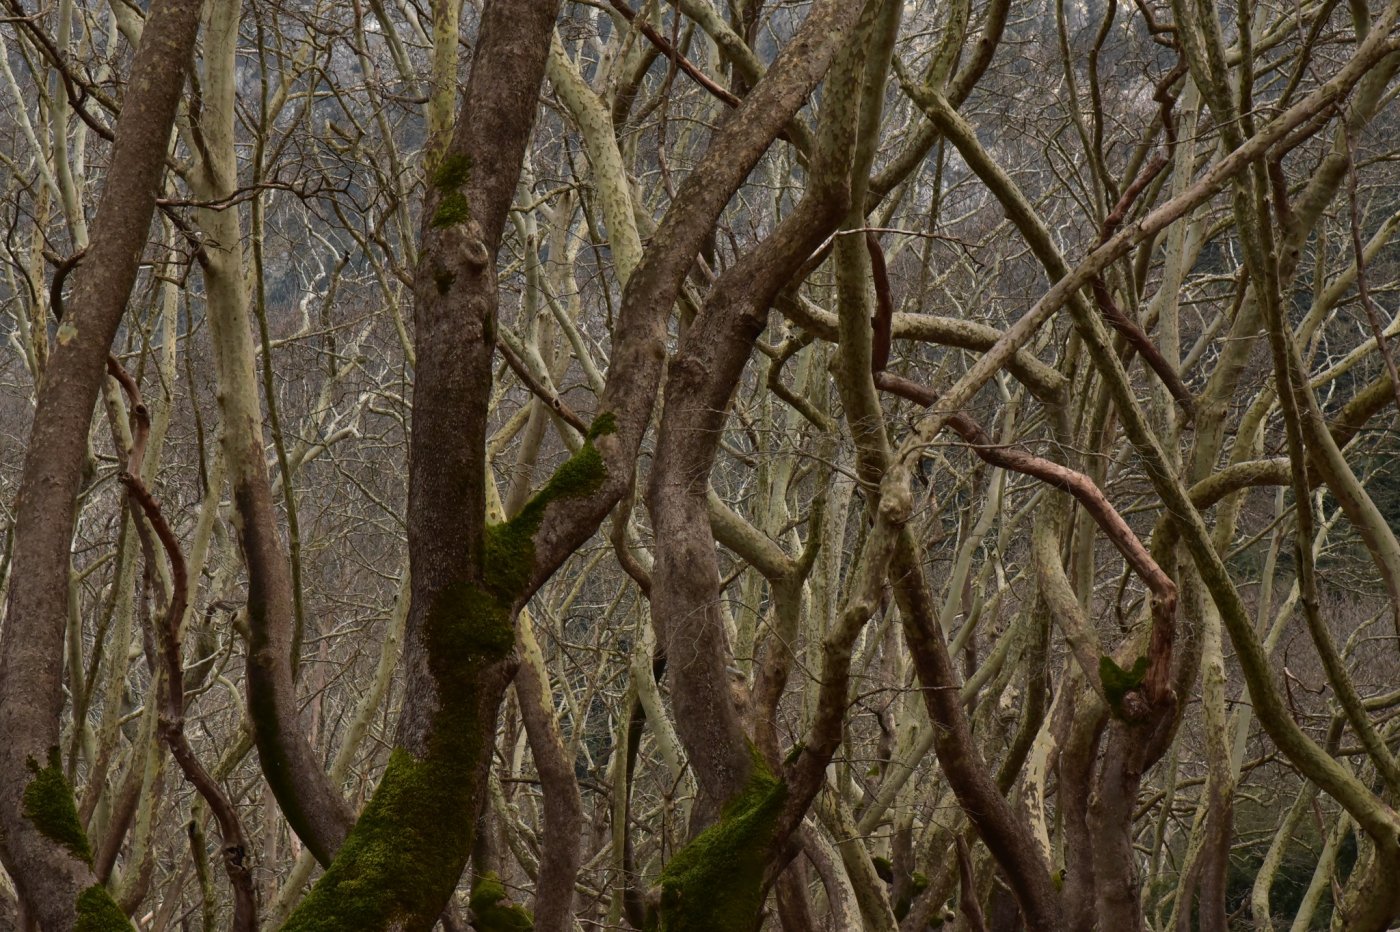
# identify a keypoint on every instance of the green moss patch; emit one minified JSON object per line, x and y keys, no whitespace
{"x":1117,"y":682}
{"x":449,"y":178}
{"x":406,"y":850}
{"x":918,"y":883}
{"x":97,"y":912}
{"x":489,"y":911}
{"x":406,"y":853}
{"x":510,"y":546}
{"x":410,"y":844}
{"x":452,"y":210}
{"x":468,"y":626}
{"x":48,"y":804}
{"x":715,"y":883}
{"x":603,"y":424}
{"x":453,"y":172}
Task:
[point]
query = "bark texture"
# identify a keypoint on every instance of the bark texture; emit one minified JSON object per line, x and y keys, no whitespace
{"x":406,"y":853}
{"x":44,"y":848}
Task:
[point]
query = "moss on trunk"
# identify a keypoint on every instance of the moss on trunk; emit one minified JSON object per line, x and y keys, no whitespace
{"x":407,"y":851}
{"x":716,"y":882}
{"x":48,"y":804}
{"x":97,"y":912}
{"x":490,"y":912}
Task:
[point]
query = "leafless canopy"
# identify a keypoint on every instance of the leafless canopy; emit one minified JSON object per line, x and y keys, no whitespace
{"x":704,"y":466}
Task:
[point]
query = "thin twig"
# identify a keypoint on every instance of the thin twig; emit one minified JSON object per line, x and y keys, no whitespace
{"x":552,"y":400}
{"x":172,"y":712}
{"x":671,"y":52}
{"x":1092,"y":499}
{"x":1363,"y":289}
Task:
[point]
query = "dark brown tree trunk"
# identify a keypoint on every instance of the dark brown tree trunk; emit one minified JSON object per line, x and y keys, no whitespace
{"x":1215,"y":864}
{"x":405,"y":855}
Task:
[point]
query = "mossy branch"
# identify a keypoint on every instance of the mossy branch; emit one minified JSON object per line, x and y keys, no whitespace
{"x":716,"y":882}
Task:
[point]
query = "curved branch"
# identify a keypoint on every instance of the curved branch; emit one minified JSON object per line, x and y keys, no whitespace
{"x":1092,"y":499}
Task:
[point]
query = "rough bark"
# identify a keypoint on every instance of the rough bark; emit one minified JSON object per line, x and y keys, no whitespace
{"x":1002,"y":829}
{"x":563,"y":807}
{"x":703,"y":376}
{"x":640,"y":334}
{"x":743,"y":848}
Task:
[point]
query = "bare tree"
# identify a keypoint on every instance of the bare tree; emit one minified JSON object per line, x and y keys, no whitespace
{"x":699,"y":466}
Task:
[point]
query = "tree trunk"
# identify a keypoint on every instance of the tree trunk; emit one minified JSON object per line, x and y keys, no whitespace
{"x":44,"y":848}
{"x":405,"y":855}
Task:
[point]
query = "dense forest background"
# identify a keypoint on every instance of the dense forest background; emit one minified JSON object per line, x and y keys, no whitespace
{"x":699,"y":465}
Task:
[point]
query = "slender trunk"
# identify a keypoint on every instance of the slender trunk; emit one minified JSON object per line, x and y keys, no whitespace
{"x":563,"y":806}
{"x":314,"y":809}
{"x":406,"y":853}
{"x":44,"y":848}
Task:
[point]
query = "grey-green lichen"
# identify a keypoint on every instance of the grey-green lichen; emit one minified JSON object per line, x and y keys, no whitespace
{"x":48,"y":804}
{"x":490,"y":913}
{"x":97,"y":912}
{"x":715,"y":883}
{"x":449,"y":178}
